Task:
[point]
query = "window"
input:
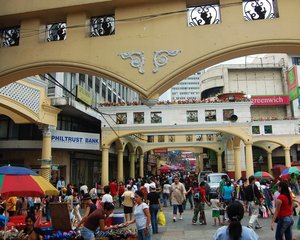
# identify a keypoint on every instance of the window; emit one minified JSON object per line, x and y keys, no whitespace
{"x":102,"y":26}
{"x":192,"y":116}
{"x":56,"y":32}
{"x":296,"y":60}
{"x":227,"y":113}
{"x":210,"y":115}
{"x":260,"y":9}
{"x":255,"y":130}
{"x":121,"y":118}
{"x":138,"y":118}
{"x":10,"y":36}
{"x":268,"y":129}
{"x":150,"y":138}
{"x":171,"y":138}
{"x":161,"y":138}
{"x":81,"y":79}
{"x":189,"y":138}
{"x":155,"y":117}
{"x":198,"y":137}
{"x":203,"y":15}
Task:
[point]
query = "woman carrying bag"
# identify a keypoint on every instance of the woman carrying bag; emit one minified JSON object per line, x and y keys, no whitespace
{"x":154,"y":206}
{"x":142,"y":218}
{"x":283,"y":213}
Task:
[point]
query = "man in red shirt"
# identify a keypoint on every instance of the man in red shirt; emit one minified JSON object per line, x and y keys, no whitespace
{"x":113,"y":189}
{"x":199,"y":203}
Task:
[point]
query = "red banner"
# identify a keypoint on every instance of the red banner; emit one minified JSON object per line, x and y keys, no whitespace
{"x":160,"y":150}
{"x":270,"y":100}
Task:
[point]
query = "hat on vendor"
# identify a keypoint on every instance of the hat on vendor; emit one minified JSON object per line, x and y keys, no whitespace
{"x":86,"y":196}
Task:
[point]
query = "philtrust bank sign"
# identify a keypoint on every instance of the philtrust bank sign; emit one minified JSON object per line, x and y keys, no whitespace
{"x":75,"y":140}
{"x":270,"y":100}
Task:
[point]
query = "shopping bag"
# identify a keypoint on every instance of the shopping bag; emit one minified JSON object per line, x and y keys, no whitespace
{"x":161,"y":218}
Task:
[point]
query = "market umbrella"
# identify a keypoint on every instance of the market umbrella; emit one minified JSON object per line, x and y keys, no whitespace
{"x":165,"y":169}
{"x":288,"y":171}
{"x":23,"y":182}
{"x":261,"y":174}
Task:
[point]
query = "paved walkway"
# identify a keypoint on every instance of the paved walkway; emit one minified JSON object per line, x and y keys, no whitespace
{"x":183,"y":229}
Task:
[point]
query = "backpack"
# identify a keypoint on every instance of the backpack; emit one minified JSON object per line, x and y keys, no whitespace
{"x":197,"y":196}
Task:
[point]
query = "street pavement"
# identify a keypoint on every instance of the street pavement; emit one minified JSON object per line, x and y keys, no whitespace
{"x":183,"y":229}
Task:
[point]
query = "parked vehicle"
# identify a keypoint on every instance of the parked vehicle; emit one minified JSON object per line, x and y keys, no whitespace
{"x":213,"y":180}
{"x":202,"y":175}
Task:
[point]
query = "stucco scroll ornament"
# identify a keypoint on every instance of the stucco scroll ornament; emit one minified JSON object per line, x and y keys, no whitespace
{"x":161,"y":58}
{"x":137,"y":60}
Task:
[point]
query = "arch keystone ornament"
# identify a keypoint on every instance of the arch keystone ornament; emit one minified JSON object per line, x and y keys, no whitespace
{"x":137,"y":60}
{"x":160,"y":58}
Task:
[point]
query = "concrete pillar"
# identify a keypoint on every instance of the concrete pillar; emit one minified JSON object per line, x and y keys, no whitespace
{"x":249,"y":160}
{"x":270,"y":162}
{"x":201,"y":162}
{"x":132,"y":165}
{"x":237,"y":163}
{"x":197,"y":155}
{"x":46,"y":153}
{"x":120,"y":166}
{"x":287,"y":156}
{"x":219,"y":161}
{"x":142,"y":165}
{"x":105,"y":166}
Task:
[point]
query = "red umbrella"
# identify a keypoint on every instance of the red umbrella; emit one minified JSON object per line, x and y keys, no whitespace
{"x":165,"y":169}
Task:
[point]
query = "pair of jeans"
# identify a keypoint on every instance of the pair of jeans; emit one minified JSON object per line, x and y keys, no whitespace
{"x":166,"y":197}
{"x":188,"y":198}
{"x":199,"y":208}
{"x":87,"y":234}
{"x":180,"y":209}
{"x":254,"y":208}
{"x":284,"y":227}
{"x":153,"y":212}
{"x":142,"y":236}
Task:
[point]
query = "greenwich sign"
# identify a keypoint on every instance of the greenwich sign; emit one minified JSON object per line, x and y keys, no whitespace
{"x":75,"y":140}
{"x":270,"y":100}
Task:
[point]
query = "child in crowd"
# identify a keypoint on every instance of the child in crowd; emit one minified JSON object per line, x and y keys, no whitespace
{"x":215,"y":204}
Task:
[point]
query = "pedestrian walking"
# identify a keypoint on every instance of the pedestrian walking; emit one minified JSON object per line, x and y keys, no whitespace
{"x":235,"y":231}
{"x":142,"y":218}
{"x":128,"y":203}
{"x":200,"y":204}
{"x":154,"y":206}
{"x":121,"y":190}
{"x":188,"y":193}
{"x":253,"y":197}
{"x":283,"y":213}
{"x":166,"y":194}
{"x":215,"y":212}
{"x":107,"y":197}
{"x":177,"y":197}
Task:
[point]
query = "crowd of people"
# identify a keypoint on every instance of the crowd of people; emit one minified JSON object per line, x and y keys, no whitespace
{"x":141,"y":200}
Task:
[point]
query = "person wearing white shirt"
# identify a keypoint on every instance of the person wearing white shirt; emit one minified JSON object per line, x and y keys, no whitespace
{"x":107,"y":197}
{"x":83,"y":189}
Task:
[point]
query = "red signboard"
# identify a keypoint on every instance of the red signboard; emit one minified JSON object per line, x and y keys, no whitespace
{"x":270,"y":100}
{"x":160,"y":150}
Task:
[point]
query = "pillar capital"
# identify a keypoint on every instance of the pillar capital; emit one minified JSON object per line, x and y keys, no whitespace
{"x":286,"y":148}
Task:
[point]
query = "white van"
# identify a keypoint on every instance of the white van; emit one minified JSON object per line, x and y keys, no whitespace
{"x":213,"y":180}
{"x":202,"y":175}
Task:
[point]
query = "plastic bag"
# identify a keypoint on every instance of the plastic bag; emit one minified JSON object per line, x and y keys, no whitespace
{"x":161,"y":218}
